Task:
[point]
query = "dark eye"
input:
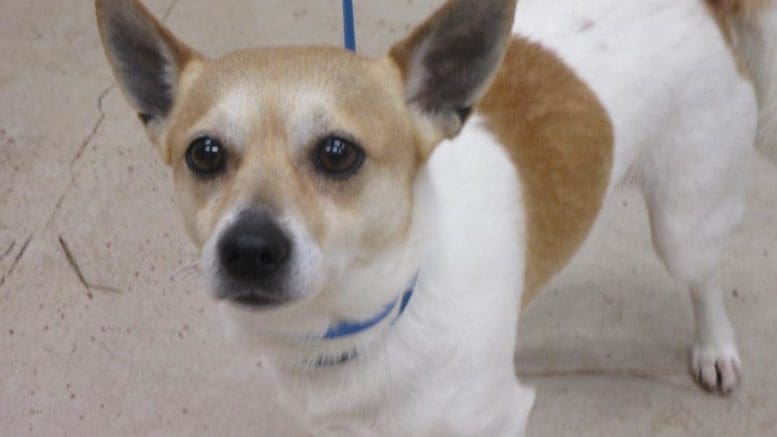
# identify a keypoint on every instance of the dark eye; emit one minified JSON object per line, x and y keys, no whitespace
{"x":205,"y":157}
{"x":338,"y":158}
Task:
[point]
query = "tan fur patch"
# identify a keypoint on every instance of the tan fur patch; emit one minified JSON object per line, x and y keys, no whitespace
{"x":561,"y":140}
{"x":721,"y":17}
{"x":723,"y":11}
{"x":738,"y":6}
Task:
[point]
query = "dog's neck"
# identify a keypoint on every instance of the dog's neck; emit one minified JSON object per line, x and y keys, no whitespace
{"x":349,"y":328}
{"x":339,"y":342}
{"x":349,"y":340}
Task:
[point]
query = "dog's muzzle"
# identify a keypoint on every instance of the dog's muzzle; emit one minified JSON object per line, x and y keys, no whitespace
{"x":253,"y":257}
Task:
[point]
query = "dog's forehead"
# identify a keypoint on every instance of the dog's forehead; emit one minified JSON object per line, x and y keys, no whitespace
{"x":290,"y":75}
{"x":293,"y":89}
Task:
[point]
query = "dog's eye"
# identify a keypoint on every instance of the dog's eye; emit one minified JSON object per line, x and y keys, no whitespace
{"x":205,"y":156}
{"x":338,"y":158}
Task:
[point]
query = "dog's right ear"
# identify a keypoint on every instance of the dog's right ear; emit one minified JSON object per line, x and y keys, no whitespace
{"x":147,"y":59}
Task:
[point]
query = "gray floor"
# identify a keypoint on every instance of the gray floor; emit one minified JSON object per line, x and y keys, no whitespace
{"x":104,"y":329}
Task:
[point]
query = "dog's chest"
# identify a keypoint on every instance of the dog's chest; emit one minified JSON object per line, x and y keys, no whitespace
{"x":461,"y":318}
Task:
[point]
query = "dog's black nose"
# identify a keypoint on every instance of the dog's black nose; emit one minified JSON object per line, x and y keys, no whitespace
{"x":254,"y":249}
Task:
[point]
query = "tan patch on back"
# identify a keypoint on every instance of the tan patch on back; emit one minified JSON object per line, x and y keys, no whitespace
{"x":723,"y":11}
{"x":561,"y":140}
{"x":739,"y":6}
{"x":721,"y":17}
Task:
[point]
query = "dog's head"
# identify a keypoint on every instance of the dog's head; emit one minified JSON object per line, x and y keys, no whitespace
{"x":294,"y":167}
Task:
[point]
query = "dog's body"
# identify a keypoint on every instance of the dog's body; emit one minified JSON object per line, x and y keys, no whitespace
{"x":590,"y":94}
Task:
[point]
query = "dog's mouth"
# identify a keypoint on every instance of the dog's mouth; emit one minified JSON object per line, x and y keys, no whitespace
{"x":257,"y":301}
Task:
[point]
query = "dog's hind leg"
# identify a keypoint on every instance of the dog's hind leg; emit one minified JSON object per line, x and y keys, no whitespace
{"x":689,"y":230}
{"x":693,"y":189}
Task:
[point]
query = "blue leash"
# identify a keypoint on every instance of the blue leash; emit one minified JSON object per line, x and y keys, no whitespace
{"x":349,"y":28}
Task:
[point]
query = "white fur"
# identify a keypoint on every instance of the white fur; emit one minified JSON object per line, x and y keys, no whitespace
{"x":683,"y":118}
{"x":756,"y":41}
{"x":459,"y":325}
{"x":231,"y":117}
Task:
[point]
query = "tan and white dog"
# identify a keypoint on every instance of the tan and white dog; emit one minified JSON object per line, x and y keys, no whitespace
{"x":373,"y":225}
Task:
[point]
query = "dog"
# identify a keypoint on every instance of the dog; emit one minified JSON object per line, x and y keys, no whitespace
{"x":373,"y":226}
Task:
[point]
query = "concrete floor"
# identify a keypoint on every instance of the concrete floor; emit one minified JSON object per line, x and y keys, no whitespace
{"x":105,"y":329}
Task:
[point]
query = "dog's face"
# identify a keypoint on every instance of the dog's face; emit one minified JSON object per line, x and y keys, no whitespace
{"x":294,"y":167}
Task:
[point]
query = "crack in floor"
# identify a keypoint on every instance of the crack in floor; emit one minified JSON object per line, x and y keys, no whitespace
{"x":673,"y":379}
{"x":95,"y":128}
{"x":71,"y":259}
{"x":8,"y":251}
{"x":169,"y":11}
{"x":633,"y":373}
{"x":655,"y":376}
{"x":16,"y":260}
{"x":58,"y":205}
{"x":84,"y":145}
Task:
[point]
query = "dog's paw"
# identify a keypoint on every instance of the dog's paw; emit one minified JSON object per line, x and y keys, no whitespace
{"x":716,"y":367}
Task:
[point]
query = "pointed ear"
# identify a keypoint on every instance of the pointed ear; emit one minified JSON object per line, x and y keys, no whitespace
{"x":448,"y":62}
{"x":146,"y":58}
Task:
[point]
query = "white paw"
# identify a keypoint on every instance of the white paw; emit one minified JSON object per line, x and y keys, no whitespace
{"x":717,"y":367}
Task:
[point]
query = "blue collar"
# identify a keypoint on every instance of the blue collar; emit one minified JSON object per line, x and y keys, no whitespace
{"x":348,"y":328}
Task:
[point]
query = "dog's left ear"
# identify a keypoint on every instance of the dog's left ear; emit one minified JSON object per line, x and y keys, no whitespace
{"x":448,"y":62}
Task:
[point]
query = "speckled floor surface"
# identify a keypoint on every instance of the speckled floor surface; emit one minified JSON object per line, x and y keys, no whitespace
{"x":104,"y":329}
